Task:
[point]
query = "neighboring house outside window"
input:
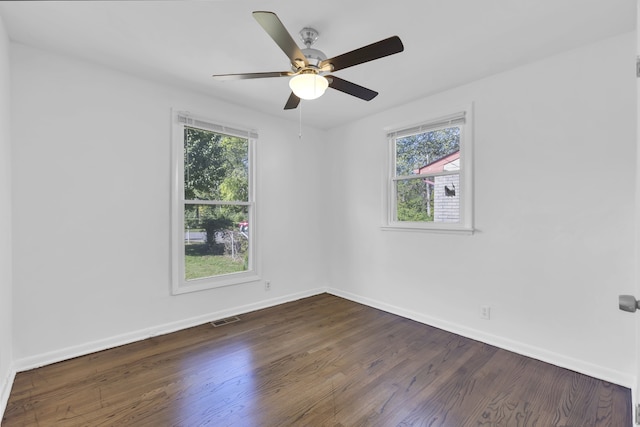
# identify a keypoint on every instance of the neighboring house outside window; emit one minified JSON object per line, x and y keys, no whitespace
{"x":446,"y":200}
{"x":213,"y":205}
{"x":430,"y":183}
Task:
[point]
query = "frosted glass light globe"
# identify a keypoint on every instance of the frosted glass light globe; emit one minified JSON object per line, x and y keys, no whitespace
{"x":308,"y":86}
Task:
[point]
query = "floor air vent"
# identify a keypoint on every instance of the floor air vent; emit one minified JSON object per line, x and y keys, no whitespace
{"x":222,"y":322}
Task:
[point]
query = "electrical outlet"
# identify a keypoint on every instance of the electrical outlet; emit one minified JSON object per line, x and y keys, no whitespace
{"x":267,"y":285}
{"x":485,"y":312}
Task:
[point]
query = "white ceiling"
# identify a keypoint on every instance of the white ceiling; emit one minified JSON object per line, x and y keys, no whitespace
{"x":447,"y":42}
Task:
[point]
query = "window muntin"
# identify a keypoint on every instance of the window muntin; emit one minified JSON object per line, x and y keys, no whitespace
{"x":430,"y":176}
{"x":214,"y":209}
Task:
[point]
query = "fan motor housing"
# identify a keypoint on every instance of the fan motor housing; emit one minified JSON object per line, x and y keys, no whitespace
{"x":314,"y":56}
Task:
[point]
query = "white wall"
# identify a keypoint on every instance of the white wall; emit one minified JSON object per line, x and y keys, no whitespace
{"x":6,"y":340}
{"x":91,"y":181}
{"x":554,"y":214}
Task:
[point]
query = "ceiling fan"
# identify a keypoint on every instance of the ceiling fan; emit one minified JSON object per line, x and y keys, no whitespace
{"x":310,"y":67}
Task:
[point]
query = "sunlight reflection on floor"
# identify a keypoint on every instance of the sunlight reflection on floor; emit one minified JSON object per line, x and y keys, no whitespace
{"x":222,"y":387}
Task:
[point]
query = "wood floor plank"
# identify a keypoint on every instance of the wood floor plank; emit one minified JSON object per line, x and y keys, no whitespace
{"x":320,"y":361}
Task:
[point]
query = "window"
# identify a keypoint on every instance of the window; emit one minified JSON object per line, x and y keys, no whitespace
{"x":430,"y":181}
{"x":213,"y":205}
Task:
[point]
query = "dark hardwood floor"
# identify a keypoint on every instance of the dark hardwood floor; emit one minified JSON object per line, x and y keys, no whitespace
{"x":320,"y":361}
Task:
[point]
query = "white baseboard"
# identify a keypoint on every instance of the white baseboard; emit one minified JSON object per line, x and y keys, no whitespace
{"x":5,"y":391}
{"x":577,"y":365}
{"x":37,"y":361}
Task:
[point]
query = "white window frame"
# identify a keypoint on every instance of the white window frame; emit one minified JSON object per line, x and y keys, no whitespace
{"x":462,"y":117}
{"x":179,"y":284}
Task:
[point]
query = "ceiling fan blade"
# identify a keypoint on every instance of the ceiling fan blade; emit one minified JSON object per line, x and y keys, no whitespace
{"x":367,"y":53}
{"x":351,"y":88}
{"x":292,"y":102}
{"x":245,"y":76}
{"x":274,"y":27}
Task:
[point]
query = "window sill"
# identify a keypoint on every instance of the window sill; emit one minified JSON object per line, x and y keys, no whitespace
{"x":420,"y":228}
{"x":204,"y":284}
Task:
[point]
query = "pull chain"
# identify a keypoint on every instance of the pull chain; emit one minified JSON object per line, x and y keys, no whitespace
{"x":300,"y":117}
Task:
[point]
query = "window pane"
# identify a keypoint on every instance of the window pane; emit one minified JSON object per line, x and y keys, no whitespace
{"x":435,"y":199}
{"x":428,"y":152}
{"x":216,"y":240}
{"x":215,"y":166}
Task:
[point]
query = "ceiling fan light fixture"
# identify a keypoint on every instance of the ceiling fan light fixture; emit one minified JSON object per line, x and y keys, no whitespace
{"x":308,"y":85}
